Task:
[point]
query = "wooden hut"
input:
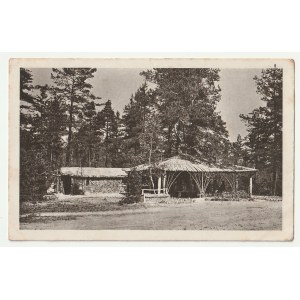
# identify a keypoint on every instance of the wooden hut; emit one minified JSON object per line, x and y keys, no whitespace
{"x":79,"y":180}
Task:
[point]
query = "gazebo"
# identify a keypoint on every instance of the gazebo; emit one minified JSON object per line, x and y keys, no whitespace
{"x":180,"y":176}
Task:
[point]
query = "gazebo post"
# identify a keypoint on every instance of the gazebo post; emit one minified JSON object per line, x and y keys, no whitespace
{"x":72,"y":185}
{"x":159,"y":184}
{"x":57,"y":182}
{"x":235,"y":185}
{"x":164,"y":182}
{"x":250,"y":186}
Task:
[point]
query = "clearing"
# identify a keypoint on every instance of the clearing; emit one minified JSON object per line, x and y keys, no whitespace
{"x":259,"y":214}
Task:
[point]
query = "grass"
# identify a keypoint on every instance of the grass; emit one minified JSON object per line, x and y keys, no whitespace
{"x":33,"y":218}
{"x":70,"y":205}
{"x":206,"y":215}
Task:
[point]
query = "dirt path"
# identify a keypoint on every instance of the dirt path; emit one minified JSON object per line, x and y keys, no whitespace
{"x":256,"y":215}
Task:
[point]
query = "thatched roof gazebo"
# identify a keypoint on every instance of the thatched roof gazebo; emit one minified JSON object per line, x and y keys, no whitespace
{"x":200,"y":173}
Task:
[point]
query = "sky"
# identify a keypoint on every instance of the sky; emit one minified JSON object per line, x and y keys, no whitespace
{"x":238,"y":91}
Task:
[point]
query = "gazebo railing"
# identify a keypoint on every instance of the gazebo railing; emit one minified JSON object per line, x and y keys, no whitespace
{"x":155,"y":191}
{"x":159,"y":192}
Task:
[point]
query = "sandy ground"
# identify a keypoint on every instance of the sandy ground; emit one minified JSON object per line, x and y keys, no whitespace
{"x":206,"y":215}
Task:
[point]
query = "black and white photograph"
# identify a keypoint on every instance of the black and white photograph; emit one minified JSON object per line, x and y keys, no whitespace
{"x":149,"y":150}
{"x":152,"y":149}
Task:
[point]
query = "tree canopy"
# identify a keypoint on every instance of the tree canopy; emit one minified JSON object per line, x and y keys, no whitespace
{"x":186,"y":102}
{"x":173,"y":112}
{"x":75,"y":91}
{"x":265,"y":127}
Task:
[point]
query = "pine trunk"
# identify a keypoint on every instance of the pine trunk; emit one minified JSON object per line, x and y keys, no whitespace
{"x":169,"y":153}
{"x":68,"y":154}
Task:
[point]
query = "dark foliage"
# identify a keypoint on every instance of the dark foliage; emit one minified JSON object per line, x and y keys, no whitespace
{"x":186,"y":107}
{"x":134,"y":187}
{"x":72,"y":86}
{"x":265,"y":132}
{"x":64,"y":124}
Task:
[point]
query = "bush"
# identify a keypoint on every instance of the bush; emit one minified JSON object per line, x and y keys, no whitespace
{"x":130,"y":199}
{"x":134,"y":187}
{"x":242,"y":194}
{"x":263,"y":183}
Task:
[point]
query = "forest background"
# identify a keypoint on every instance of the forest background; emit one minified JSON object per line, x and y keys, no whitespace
{"x":172,"y":112}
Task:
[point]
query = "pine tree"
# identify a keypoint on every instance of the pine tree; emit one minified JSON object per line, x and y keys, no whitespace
{"x":84,"y":137}
{"x":265,"y":126}
{"x":238,"y":151}
{"x":50,"y":123}
{"x":32,"y":179}
{"x":107,"y":120}
{"x":26,"y":86}
{"x":26,"y":97}
{"x":141,"y":127}
{"x":73,"y":86}
{"x":41,"y":142}
{"x":186,"y":100}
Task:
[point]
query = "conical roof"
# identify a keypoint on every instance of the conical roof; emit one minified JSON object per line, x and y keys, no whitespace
{"x":179,"y":164}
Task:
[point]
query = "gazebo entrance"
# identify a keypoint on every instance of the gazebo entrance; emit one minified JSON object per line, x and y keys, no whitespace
{"x":184,"y":187}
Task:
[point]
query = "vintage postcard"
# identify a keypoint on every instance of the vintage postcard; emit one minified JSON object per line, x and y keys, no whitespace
{"x":162,"y":149}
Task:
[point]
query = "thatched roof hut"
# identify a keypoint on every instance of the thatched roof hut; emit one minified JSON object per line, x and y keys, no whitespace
{"x":75,"y":180}
{"x":178,"y":164}
{"x":179,"y":168}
